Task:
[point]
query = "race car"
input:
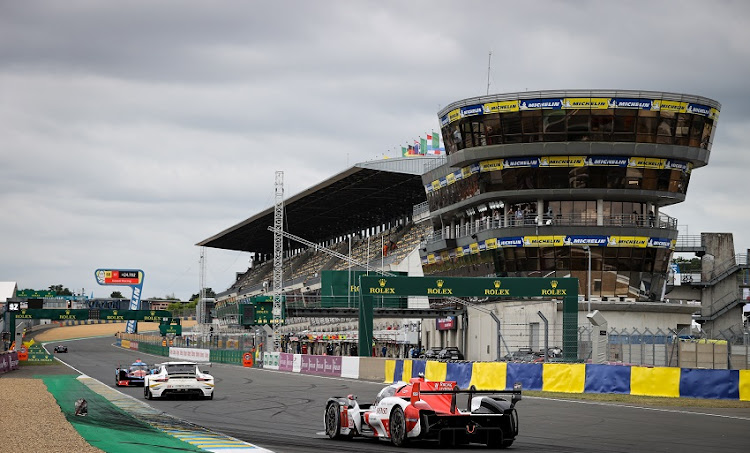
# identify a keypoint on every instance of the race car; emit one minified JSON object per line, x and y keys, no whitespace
{"x":178,"y":378}
{"x":133,"y":375}
{"x":61,"y":348}
{"x":422,"y":409}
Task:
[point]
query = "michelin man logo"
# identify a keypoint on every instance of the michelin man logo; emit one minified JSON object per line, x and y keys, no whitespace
{"x":100,"y":277}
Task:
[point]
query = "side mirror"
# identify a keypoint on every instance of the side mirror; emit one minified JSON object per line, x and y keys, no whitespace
{"x":516,"y":396}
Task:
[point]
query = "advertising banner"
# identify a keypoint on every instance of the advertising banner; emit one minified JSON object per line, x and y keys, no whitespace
{"x":271,"y":360}
{"x":447,"y":323}
{"x":501,"y":107}
{"x":190,"y":355}
{"x":286,"y":361}
{"x":586,"y":240}
{"x":490,"y":165}
{"x":472,"y":110}
{"x":535,"y":104}
{"x":597,"y":103}
{"x":321,"y":365}
{"x":586,"y":103}
{"x":629,"y":103}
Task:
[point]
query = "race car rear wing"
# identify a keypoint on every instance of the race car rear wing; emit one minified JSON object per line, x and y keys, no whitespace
{"x":471,"y":391}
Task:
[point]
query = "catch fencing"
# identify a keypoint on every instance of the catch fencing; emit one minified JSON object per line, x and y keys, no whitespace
{"x":729,"y":349}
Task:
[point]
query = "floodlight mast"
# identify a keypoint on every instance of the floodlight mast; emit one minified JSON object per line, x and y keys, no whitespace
{"x":278,"y":257}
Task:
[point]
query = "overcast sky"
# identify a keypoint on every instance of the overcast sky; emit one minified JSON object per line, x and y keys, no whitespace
{"x":130,"y":131}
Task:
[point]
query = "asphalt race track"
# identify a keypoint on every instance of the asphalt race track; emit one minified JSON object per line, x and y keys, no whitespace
{"x":283,"y":412}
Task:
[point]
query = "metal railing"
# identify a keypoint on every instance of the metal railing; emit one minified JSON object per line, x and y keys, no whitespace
{"x":488,"y":223}
{"x":693,"y":241}
{"x":727,"y":267}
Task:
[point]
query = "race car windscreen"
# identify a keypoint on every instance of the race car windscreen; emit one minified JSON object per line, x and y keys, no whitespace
{"x":386,"y":392}
{"x":139,"y":367}
{"x":182,"y":368}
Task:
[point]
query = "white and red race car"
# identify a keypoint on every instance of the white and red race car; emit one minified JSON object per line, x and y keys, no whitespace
{"x":423,"y":409}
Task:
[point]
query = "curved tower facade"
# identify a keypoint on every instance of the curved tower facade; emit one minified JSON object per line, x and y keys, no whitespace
{"x":566,"y":184}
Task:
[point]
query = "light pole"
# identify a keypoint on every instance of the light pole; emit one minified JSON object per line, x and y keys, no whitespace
{"x":588,"y":284}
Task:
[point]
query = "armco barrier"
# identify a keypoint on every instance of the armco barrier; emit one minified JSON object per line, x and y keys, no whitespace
{"x":553,"y":377}
{"x":579,"y":378}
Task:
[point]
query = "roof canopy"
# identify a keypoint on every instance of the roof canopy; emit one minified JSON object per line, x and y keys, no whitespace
{"x":358,"y":198}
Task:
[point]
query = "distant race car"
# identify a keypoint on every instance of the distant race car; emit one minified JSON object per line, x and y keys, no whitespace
{"x":61,"y":348}
{"x":422,"y":409}
{"x":178,"y":378}
{"x":133,"y":375}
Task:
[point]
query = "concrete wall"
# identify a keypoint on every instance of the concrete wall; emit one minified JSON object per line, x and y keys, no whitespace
{"x":372,"y":369}
{"x":703,"y":355}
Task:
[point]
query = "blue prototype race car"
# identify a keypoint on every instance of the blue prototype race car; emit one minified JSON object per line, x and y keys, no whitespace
{"x":133,"y":375}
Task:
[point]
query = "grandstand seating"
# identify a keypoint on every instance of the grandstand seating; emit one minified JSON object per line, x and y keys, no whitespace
{"x":305,"y":267}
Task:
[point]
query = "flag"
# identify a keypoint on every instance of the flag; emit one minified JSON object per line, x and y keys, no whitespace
{"x":404,"y":151}
{"x":422,"y":145}
{"x":436,"y":147}
{"x":416,"y":147}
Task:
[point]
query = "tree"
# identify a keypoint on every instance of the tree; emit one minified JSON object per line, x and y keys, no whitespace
{"x":60,"y":290}
{"x":209,"y":293}
{"x":116,"y":295}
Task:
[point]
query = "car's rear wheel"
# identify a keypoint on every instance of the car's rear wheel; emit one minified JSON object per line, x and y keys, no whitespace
{"x":398,"y":427}
{"x":333,"y":420}
{"x":149,"y":395}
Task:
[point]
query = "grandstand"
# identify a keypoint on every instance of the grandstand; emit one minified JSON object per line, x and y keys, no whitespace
{"x":372,"y":212}
{"x":563,"y":184}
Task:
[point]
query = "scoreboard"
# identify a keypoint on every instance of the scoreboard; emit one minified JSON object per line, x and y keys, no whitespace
{"x":119,"y":276}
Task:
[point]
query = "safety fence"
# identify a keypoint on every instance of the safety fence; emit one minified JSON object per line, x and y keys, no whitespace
{"x":228,"y":356}
{"x":580,"y":378}
{"x":730,"y":349}
{"x":551,"y":377}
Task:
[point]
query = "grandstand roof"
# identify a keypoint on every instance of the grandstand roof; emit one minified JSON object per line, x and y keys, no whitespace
{"x":365,"y":195}
{"x":7,"y":290}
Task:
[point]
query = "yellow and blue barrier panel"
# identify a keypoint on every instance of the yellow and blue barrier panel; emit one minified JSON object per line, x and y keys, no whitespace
{"x":580,"y":378}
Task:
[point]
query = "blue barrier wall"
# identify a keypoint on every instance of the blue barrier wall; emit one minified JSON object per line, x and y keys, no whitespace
{"x":581,"y":378}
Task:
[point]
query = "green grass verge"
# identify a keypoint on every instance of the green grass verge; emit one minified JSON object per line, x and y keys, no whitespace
{"x":106,"y":426}
{"x":636,"y":400}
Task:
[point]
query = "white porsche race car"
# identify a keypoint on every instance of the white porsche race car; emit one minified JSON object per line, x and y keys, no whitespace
{"x":178,"y":378}
{"x":423,"y":409}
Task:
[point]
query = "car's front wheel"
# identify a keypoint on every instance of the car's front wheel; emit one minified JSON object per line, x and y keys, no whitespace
{"x":333,"y":420}
{"x":398,"y":427}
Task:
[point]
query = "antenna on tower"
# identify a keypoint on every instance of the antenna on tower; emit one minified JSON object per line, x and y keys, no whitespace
{"x":489,"y":66}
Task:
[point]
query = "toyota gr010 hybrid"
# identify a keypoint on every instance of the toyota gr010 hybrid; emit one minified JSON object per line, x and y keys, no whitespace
{"x":135,"y":374}
{"x":422,"y":409}
{"x":178,"y":378}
